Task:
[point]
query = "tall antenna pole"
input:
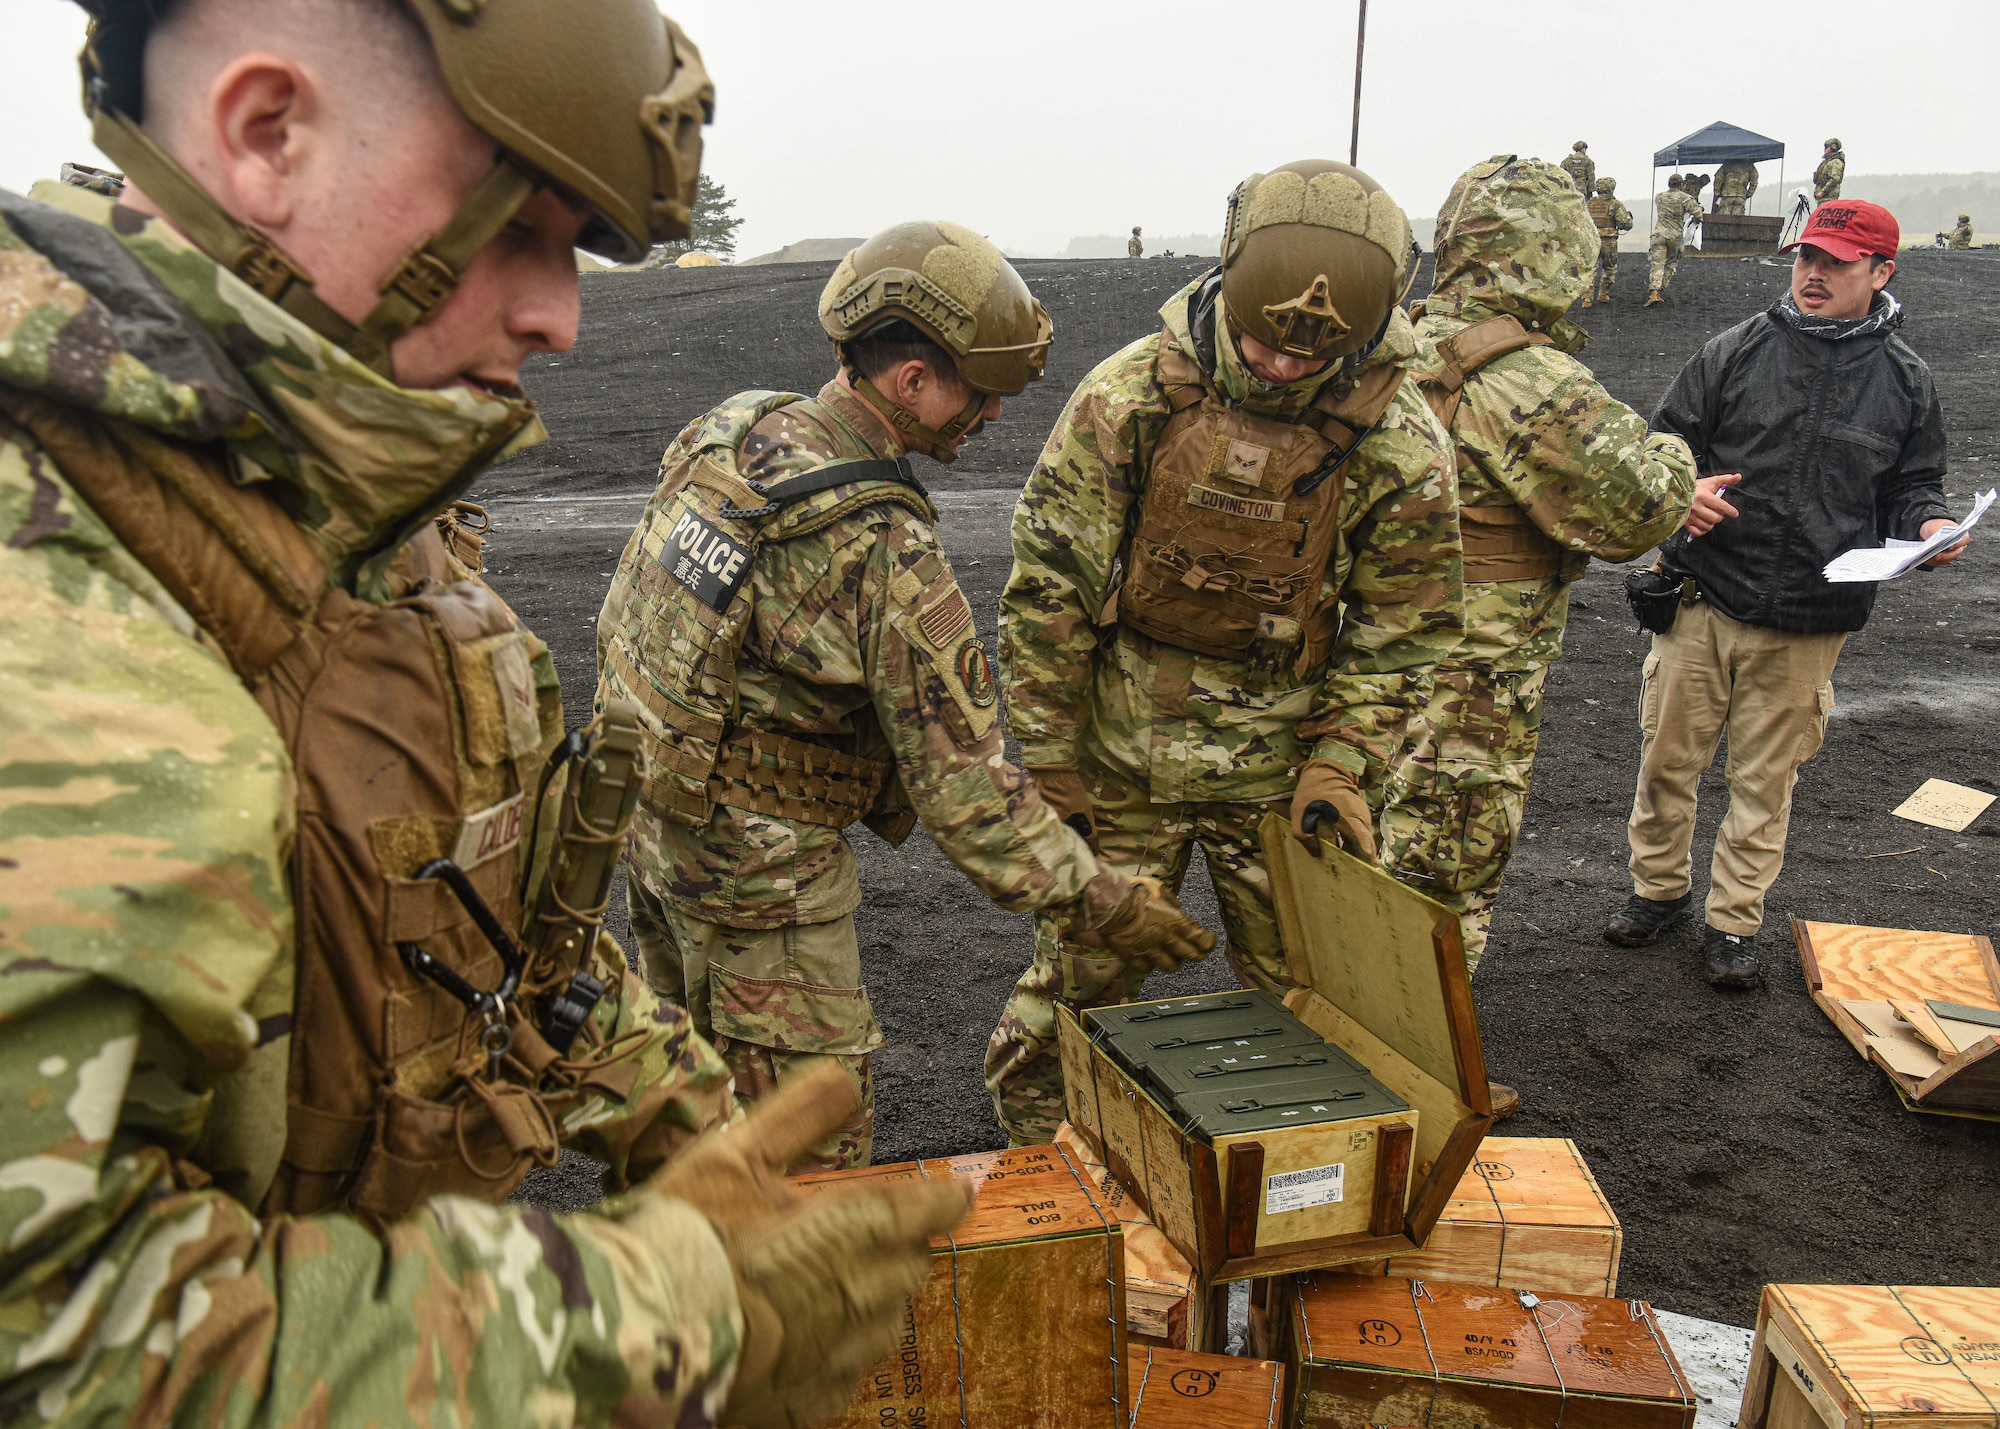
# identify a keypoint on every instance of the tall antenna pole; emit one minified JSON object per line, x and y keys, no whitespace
{"x":1360,"y":44}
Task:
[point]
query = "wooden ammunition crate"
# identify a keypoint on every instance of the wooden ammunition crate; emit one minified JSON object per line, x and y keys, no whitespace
{"x":1381,"y":974}
{"x":1162,"y":1307}
{"x":1528,"y":1215}
{"x":1381,"y":1352}
{"x":1174,"y":1389}
{"x":1022,"y":1322}
{"x":1848,"y":1356}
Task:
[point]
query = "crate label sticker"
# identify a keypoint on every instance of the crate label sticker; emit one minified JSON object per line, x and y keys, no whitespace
{"x":1298,"y":1190}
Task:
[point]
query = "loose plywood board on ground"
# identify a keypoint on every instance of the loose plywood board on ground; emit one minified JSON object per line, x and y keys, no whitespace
{"x":1942,"y":804}
{"x":1834,"y":1356}
{"x":1859,"y":974}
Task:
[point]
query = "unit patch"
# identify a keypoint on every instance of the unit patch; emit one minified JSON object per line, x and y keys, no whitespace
{"x":1246,"y":506}
{"x":946,"y":618}
{"x":975,"y":672}
{"x":704,"y":560}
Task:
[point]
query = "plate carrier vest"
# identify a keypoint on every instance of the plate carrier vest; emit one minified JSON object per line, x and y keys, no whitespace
{"x":415,"y":733}
{"x":1239,"y":518}
{"x":1502,"y":543}
{"x":673,"y":644}
{"x":1600,"y":214}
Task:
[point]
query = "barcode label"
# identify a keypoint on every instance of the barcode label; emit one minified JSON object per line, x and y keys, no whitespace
{"x":1296,"y":1190}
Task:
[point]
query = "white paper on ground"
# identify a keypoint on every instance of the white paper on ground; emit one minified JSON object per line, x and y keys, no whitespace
{"x":1716,"y":1360}
{"x":1885,"y":563}
{"x":1943,"y":805}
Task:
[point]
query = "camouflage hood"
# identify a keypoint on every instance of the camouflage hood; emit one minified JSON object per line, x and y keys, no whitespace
{"x":1206,"y":342}
{"x":104,"y":309}
{"x":1515,"y":237}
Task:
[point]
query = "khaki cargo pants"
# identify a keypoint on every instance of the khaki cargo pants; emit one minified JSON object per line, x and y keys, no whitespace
{"x":774,"y":1001}
{"x":1135,"y":836}
{"x":1772,"y":691}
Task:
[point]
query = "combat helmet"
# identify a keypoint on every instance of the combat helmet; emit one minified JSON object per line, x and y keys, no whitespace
{"x":1579,"y":146}
{"x":1832,"y":144}
{"x":605,"y":99}
{"x":1675,"y":181}
{"x":958,"y":290}
{"x":1607,"y":186}
{"x":1315,"y":255}
{"x":1516,"y":228}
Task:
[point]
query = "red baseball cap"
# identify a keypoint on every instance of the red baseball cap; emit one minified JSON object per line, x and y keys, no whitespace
{"x":1850,"y":227}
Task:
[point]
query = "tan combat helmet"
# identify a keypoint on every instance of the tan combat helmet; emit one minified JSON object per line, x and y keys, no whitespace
{"x":604,"y":99}
{"x":1314,"y":256}
{"x":956,"y":289}
{"x":1833,"y":143}
{"x":1607,"y":186}
{"x":1675,"y":181}
{"x":1579,"y":146}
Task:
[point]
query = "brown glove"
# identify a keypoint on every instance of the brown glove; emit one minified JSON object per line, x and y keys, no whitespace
{"x":1148,"y":928}
{"x":1063,"y":790}
{"x":822,"y":1276}
{"x":1328,"y":800}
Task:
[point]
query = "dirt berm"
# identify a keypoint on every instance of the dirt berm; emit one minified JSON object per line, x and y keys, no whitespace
{"x":1739,"y":1138}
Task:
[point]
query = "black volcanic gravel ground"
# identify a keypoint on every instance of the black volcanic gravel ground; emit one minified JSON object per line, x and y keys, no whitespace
{"x":1739,"y":1138}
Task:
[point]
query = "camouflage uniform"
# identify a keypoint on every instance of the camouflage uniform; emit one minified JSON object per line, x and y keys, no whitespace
{"x":1133,"y":247}
{"x":147,"y":923}
{"x":1671,"y":211}
{"x":1961,"y":236}
{"x":1177,"y":748}
{"x":1582,"y":170}
{"x":1611,"y":218}
{"x":1735,"y":182}
{"x":1828,"y":176}
{"x":857,"y":631}
{"x":1535,"y":434}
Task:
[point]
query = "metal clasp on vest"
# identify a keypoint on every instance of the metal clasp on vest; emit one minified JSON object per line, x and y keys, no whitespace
{"x":490,"y":1004}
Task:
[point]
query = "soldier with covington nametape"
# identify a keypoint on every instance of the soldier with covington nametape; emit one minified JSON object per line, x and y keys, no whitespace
{"x":1611,"y":218}
{"x":274,"y":1053}
{"x":1234,"y":567}
{"x":787,"y":618}
{"x":1552,"y":470}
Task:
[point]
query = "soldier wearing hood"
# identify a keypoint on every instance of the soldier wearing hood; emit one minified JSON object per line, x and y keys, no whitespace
{"x":1235,"y":565}
{"x":1551,"y":471}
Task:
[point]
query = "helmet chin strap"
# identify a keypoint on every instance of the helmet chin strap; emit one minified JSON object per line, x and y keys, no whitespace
{"x":940,"y":445}
{"x":421,"y":284}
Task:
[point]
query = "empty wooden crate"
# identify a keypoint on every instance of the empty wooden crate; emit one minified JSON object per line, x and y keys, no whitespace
{"x":1021,"y":1324}
{"x":1873,"y":1357}
{"x":1362,"y":1351}
{"x":1174,"y":1389}
{"x":1162,"y":1307}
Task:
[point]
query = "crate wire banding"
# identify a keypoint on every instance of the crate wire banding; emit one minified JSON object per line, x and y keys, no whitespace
{"x":1110,"y":1288}
{"x":957,"y":1315}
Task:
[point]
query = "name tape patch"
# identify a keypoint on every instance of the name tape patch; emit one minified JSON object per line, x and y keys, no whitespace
{"x":1232,"y":505}
{"x":489,"y":833}
{"x":1297,"y":1190}
{"x":704,"y":560}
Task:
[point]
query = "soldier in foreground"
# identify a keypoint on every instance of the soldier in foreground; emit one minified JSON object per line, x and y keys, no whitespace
{"x":1581,"y":168}
{"x":1234,"y":567}
{"x":1133,"y":247}
{"x":1832,"y":171}
{"x":1672,"y":212}
{"x":786,"y":615}
{"x":1551,"y":471}
{"x":1735,"y":183}
{"x":269,"y":750}
{"x":1611,"y":218}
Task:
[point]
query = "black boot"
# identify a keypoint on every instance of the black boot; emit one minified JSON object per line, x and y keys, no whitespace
{"x":1731,"y":958}
{"x":1643,"y":919}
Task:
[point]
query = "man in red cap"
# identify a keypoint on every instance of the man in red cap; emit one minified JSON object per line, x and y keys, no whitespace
{"x":1816,"y":429}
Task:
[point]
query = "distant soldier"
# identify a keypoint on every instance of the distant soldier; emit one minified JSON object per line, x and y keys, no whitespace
{"x":1961,"y":236}
{"x":1672,"y":212}
{"x":1581,"y":168}
{"x":1693,"y":184}
{"x":1612,"y":218}
{"x":1832,"y":169}
{"x":1133,"y":247}
{"x":1735,"y":182}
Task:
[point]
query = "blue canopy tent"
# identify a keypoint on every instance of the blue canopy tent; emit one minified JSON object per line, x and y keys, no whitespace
{"x":1716,"y":144}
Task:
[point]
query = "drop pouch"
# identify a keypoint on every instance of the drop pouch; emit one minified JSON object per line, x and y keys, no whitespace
{"x":1655,"y":598}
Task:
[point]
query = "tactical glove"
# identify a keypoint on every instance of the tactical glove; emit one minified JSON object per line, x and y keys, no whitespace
{"x":822,"y":1277}
{"x":1329,"y":800}
{"x":1147,"y":928}
{"x":1063,"y":790}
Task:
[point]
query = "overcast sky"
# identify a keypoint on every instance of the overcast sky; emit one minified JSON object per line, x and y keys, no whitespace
{"x":1038,"y":121}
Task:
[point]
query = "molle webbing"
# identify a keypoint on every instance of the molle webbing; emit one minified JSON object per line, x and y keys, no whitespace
{"x":765,"y":772}
{"x":1503,"y":543}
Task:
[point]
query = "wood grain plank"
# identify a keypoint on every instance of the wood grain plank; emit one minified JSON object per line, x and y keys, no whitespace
{"x":1392,"y":1177}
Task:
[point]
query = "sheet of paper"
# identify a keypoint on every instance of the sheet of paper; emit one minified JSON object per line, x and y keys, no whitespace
{"x":1926,"y":1027}
{"x":1891,"y":1041}
{"x":1943,"y":805}
{"x":1897,"y":558}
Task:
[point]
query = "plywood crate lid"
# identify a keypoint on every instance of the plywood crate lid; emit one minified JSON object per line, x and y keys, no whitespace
{"x":1024,"y":1194}
{"x":1885,"y":1355}
{"x":1409,"y":1343}
{"x":1178,"y":1389}
{"x":1530,"y":1181}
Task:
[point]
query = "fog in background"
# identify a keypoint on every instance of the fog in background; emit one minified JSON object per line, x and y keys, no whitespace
{"x":1038,"y":123}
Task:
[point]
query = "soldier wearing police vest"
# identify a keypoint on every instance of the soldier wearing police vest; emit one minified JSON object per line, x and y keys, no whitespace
{"x":1235,"y":566}
{"x":786,"y":616}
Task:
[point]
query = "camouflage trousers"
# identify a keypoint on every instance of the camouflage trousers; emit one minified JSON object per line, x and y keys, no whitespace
{"x":1134,"y":836}
{"x":775,"y":1002}
{"x":1730,"y":203}
{"x":1453,"y":809}
{"x":1607,"y":263}
{"x":1664,"y":253}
